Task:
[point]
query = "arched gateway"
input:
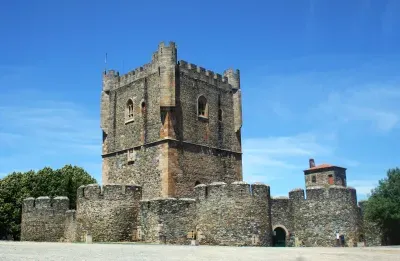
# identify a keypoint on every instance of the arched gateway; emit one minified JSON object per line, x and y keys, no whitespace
{"x":279,"y":237}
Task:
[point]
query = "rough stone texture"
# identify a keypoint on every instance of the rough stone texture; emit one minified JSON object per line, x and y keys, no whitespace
{"x":167,"y":221}
{"x":281,"y":215}
{"x":168,"y":133}
{"x":322,"y":176}
{"x":145,"y":170}
{"x":43,"y":219}
{"x":325,"y":211}
{"x":109,"y":213}
{"x":234,"y":214}
{"x":70,"y":226}
{"x":195,"y":161}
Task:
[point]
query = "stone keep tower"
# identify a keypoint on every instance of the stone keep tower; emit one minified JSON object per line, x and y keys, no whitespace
{"x":324,"y":175}
{"x":170,"y":125}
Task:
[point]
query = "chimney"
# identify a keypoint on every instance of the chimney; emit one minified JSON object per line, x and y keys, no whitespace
{"x":312,"y":163}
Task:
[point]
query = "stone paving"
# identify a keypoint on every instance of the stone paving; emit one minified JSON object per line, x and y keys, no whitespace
{"x":24,"y":251}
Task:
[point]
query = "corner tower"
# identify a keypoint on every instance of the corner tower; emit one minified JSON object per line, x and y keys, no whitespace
{"x":170,"y":125}
{"x":324,"y":175}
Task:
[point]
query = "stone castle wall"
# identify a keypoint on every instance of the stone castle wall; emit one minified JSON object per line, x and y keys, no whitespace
{"x":43,"y":219}
{"x":200,"y":164}
{"x":325,"y":211}
{"x":281,"y":215}
{"x":167,"y":220}
{"x":108,"y":213}
{"x":70,"y":227}
{"x":145,"y":170}
{"x":235,"y":214}
{"x":210,"y":131}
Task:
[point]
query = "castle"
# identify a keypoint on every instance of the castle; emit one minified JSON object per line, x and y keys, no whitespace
{"x":172,"y":172}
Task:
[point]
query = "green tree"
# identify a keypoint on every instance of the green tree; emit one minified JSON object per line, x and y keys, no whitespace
{"x":17,"y":186}
{"x":383,"y":207}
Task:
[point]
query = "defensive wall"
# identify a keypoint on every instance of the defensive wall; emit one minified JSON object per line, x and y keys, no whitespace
{"x":323,"y":212}
{"x":281,"y":216}
{"x":167,"y":221}
{"x":43,"y":219}
{"x":108,"y":213}
{"x":235,"y":214}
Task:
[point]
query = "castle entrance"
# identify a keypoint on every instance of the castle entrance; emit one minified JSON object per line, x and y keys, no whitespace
{"x":279,"y":238}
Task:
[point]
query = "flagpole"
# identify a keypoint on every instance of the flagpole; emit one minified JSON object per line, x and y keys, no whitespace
{"x":105,"y":64}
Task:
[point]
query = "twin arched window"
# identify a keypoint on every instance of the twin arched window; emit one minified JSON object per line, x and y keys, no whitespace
{"x":129,"y":109}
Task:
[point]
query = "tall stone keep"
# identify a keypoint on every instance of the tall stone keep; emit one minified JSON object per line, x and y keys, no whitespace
{"x":170,"y":125}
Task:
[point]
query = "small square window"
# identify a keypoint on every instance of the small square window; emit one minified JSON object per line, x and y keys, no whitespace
{"x":131,"y":156}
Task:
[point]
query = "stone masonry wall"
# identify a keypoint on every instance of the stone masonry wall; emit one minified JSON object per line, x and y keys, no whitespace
{"x":199,"y":164}
{"x":144,"y":128}
{"x":211,"y":131}
{"x":145,"y":170}
{"x":235,"y":214}
{"x":43,"y":219}
{"x":109,"y":214}
{"x":325,"y":211}
{"x":70,"y":227}
{"x":281,"y":215}
{"x":321,"y":177}
{"x":167,"y":220}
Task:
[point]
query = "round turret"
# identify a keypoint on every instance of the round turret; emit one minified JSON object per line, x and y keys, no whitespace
{"x":108,"y":213}
{"x":234,"y":214}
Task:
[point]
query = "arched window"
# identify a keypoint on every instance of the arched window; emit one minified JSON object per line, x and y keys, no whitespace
{"x":129,"y":110}
{"x":220,"y":114}
{"x":202,"y":107}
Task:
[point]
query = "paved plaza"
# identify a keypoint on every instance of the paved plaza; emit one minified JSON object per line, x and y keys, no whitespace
{"x":23,"y":251}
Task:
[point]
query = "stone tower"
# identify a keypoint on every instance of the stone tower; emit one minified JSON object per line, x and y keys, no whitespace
{"x":324,"y":175}
{"x":170,"y":125}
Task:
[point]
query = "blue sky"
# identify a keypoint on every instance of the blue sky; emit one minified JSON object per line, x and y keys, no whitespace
{"x":319,"y":79}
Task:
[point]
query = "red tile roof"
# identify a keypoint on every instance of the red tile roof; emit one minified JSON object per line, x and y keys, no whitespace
{"x":321,"y":166}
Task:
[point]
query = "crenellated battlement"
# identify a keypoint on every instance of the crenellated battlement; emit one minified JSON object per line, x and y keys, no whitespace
{"x":324,"y":193}
{"x":233,"y":77}
{"x":109,"y":192}
{"x":164,"y":55}
{"x":238,"y":189}
{"x":138,"y":73}
{"x":45,"y":203}
{"x":203,"y":74}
